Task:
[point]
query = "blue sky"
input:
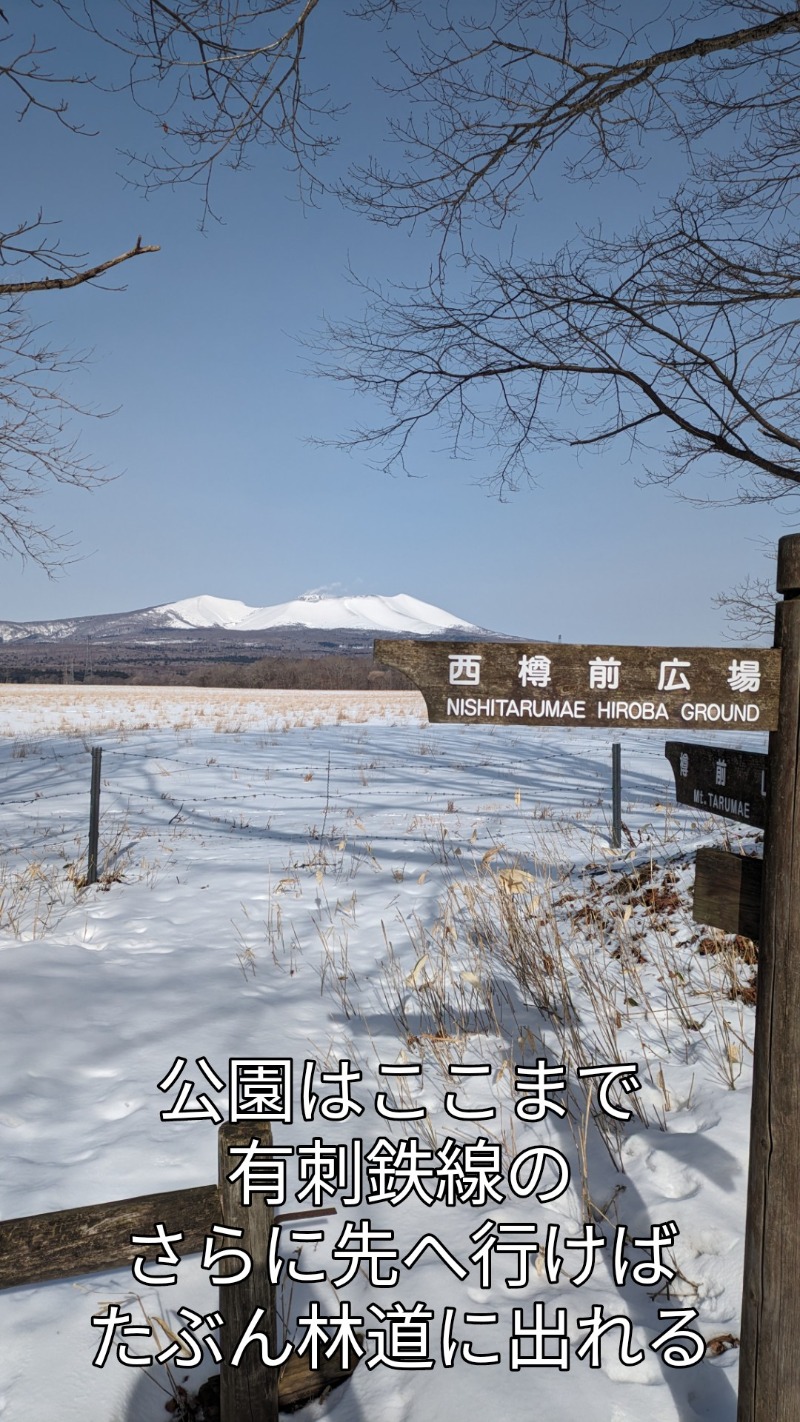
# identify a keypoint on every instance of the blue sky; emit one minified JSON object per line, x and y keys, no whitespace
{"x":219,"y":490}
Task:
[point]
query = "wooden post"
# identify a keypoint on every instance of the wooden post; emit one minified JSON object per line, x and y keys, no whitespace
{"x":769,"y":1372}
{"x":616,"y":795}
{"x":248,"y":1392}
{"x":94,"y":815}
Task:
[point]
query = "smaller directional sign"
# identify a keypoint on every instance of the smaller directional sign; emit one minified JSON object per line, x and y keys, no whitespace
{"x":717,"y":781}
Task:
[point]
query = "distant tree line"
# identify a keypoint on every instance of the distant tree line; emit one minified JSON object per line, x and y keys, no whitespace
{"x":278,"y":673}
{"x":330,"y":673}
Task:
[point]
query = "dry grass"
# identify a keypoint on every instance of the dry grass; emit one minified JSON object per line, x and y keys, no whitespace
{"x":33,"y":899}
{"x":77,"y":710}
{"x":583,"y":969}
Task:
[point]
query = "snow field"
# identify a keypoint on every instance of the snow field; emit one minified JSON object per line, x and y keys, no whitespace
{"x":327,"y":878}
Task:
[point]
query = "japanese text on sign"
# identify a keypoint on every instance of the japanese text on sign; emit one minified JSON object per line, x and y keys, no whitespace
{"x":554,"y":684}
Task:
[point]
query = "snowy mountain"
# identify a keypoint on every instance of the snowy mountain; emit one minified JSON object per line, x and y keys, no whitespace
{"x":203,"y":611}
{"x":400,"y":615}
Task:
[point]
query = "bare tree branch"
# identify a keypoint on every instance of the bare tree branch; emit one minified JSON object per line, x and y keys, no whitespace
{"x":36,"y":448}
{"x":609,"y":340}
{"x":496,"y":100}
{"x":749,"y":610}
{"x":11,"y":288}
{"x":36,"y":87}
{"x":682,"y":337}
{"x":222,"y":78}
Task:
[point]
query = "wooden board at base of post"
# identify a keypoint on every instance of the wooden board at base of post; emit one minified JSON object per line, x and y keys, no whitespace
{"x":719,"y":781}
{"x":727,"y":892}
{"x":554,"y":684}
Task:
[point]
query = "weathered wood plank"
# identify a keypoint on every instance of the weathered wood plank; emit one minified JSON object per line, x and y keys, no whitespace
{"x":65,"y":1243}
{"x":553,"y":684}
{"x":727,"y":892}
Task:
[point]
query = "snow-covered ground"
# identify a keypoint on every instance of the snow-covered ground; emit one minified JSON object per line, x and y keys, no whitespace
{"x":327,"y":878}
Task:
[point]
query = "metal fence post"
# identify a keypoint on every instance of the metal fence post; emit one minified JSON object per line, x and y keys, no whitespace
{"x":94,"y":815}
{"x":616,"y":795}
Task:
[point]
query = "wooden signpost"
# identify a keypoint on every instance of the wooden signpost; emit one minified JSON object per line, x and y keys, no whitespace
{"x":697,"y":688}
{"x":769,"y":1369}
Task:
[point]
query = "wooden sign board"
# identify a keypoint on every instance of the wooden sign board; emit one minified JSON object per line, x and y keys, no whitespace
{"x":719,"y":781}
{"x":727,"y":892}
{"x":553,"y":684}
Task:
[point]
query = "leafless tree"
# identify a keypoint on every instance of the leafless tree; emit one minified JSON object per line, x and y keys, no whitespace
{"x":222,"y":77}
{"x":749,"y":610}
{"x":36,"y":447}
{"x":682,"y":335}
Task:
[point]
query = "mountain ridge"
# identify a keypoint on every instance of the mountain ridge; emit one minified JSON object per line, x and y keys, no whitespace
{"x":399,"y":614}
